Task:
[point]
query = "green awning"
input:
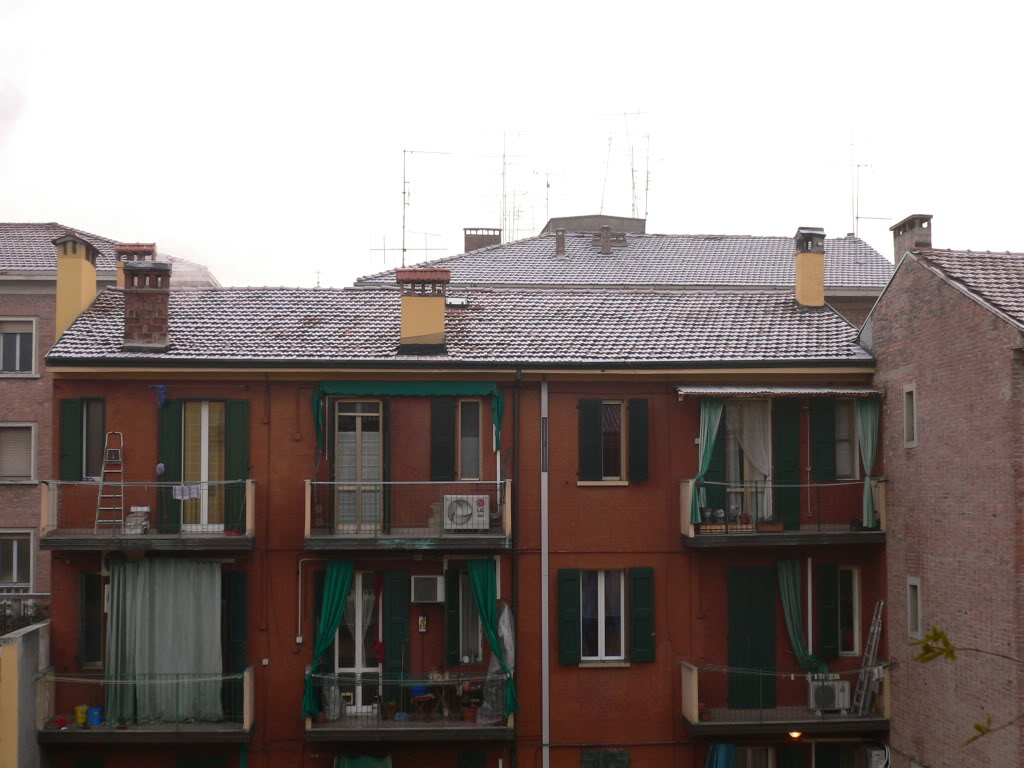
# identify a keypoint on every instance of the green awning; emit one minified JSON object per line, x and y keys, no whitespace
{"x":408,"y":389}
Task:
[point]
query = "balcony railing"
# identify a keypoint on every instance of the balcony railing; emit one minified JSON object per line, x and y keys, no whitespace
{"x":18,"y":610}
{"x":461,"y":707}
{"x":832,"y":509}
{"x":729,"y":701}
{"x":146,"y":514}
{"x":472,"y":512}
{"x":187,"y":706}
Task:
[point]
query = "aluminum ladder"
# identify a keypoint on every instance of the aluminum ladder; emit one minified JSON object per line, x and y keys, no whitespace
{"x":110,"y":494}
{"x":861,"y":697}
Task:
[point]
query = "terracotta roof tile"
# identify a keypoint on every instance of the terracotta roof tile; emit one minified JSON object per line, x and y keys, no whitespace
{"x":995,"y":278}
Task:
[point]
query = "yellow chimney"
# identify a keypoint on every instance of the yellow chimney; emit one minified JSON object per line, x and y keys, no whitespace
{"x":423,"y":305}
{"x":810,"y":266}
{"x":76,"y":278}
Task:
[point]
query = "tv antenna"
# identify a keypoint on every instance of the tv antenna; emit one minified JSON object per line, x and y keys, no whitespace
{"x":405,"y":188}
{"x":647,"y":175}
{"x":607,"y":159}
{"x":857,"y":218}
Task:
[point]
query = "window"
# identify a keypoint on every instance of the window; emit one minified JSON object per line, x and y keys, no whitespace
{"x":748,"y":459}
{"x":846,"y":440}
{"x":603,"y":603}
{"x":15,"y":562}
{"x":355,"y":644}
{"x":82,"y":437}
{"x":914,"y":606}
{"x":910,"y":416}
{"x":469,"y":439}
{"x":17,"y":346}
{"x":203,"y":465}
{"x":755,"y":757}
{"x":613,"y":441}
{"x":849,"y":611}
{"x":470,"y":651}
{"x":93,"y":438}
{"x":359,"y":464}
{"x":90,"y":619}
{"x":604,"y":758}
{"x":17,"y":457}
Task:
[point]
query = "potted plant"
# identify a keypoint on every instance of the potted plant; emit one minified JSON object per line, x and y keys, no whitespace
{"x":770,"y":525}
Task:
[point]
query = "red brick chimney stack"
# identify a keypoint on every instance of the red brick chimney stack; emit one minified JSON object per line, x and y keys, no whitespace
{"x":559,"y":242}
{"x":146,"y":293}
{"x":475,"y":238}
{"x":606,"y":239}
{"x":911,"y":234}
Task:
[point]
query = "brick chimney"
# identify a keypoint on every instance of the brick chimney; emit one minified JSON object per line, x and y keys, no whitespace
{"x":76,"y":278}
{"x":146,"y":294}
{"x":606,"y":239}
{"x":423,"y":305}
{"x":475,"y":237}
{"x":810,"y":266}
{"x":912,"y":233}
{"x":132,"y":252}
{"x":559,"y":242}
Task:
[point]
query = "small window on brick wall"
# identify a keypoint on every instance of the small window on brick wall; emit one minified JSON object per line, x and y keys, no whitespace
{"x":16,"y":465}
{"x":910,"y":416}
{"x":17,"y":346}
{"x":604,"y":758}
{"x":914,"y":606}
{"x":15,"y":562}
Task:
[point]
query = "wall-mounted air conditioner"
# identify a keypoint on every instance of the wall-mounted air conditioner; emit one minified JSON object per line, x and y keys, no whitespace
{"x":827,"y":693}
{"x":872,"y":757}
{"x":467,"y":513}
{"x":428,"y":589}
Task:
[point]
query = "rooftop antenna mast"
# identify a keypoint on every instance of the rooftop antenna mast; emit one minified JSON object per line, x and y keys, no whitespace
{"x":405,"y":187}
{"x":607,"y":159}
{"x":647,"y":175}
{"x":632,"y":166}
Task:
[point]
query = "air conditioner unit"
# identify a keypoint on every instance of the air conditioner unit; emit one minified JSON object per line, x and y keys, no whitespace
{"x":428,"y":589}
{"x":872,"y":757}
{"x":828,"y":695}
{"x":467,"y":513}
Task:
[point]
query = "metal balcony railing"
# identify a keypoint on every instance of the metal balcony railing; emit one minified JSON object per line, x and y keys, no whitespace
{"x":18,"y":610}
{"x":378,"y":510}
{"x":370,"y":701}
{"x":180,"y":701}
{"x":146,"y":509}
{"x":758,"y":507}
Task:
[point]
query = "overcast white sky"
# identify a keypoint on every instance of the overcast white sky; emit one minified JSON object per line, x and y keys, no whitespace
{"x":265,"y":139}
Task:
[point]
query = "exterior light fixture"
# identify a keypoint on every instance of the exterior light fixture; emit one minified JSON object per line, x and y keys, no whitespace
{"x":795,"y":734}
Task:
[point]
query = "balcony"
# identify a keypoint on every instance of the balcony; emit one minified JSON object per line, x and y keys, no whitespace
{"x":467,"y":515}
{"x":193,"y":708}
{"x":19,"y":610}
{"x":720,"y":702}
{"x":157,"y":516}
{"x":829,"y":513}
{"x":366,"y":708}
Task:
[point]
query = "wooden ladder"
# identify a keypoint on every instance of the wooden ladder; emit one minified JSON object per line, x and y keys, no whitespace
{"x":110,"y":494}
{"x":861,"y":697}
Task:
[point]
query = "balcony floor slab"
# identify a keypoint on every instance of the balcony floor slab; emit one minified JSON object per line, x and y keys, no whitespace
{"x":409,"y":730}
{"x":157,"y":733}
{"x":752,"y":722}
{"x":87,"y":540}
{"x":350,"y":542}
{"x":800,"y":538}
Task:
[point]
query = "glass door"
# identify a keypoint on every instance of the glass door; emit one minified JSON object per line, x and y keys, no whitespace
{"x":355,"y":647}
{"x":748,"y":461}
{"x":202,"y":489}
{"x":358,"y":466}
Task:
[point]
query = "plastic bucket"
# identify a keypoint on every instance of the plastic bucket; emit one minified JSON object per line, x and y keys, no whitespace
{"x":95,"y":715}
{"x":81,"y":714}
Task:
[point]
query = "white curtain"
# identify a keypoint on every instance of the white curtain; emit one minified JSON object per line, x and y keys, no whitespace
{"x":369,"y":600}
{"x":166,"y":650}
{"x":748,"y":426}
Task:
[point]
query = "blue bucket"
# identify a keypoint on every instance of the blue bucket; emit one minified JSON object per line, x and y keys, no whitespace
{"x":419,"y":690}
{"x":95,"y":716}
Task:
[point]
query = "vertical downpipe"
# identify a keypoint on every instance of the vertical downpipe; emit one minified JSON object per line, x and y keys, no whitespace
{"x":810,"y":606}
{"x":545,"y":623}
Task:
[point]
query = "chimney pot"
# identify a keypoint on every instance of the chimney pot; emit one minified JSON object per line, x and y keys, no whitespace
{"x":810,"y":266}
{"x":559,"y":242}
{"x":146,"y":297}
{"x":475,"y":238}
{"x":606,"y":239}
{"x":911,"y":234}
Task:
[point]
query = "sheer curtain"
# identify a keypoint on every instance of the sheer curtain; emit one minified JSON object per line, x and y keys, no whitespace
{"x":749,"y":436}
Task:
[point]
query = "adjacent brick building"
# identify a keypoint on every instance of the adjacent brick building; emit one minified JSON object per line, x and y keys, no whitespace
{"x":947,"y":337}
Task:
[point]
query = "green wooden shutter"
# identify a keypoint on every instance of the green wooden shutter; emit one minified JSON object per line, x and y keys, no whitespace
{"x":235,"y":589}
{"x":828,"y":755}
{"x":786,"y":455}
{"x":638,"y":440}
{"x":715,"y":494}
{"x":790,"y":757}
{"x":616,"y":758}
{"x":751,"y":636}
{"x":823,"y":439}
{"x":90,"y":616}
{"x":442,"y":438}
{"x":592,"y":758}
{"x":169,"y":454}
{"x":385,"y":438}
{"x":826,"y":589}
{"x":590,"y":440}
{"x":71,"y":440}
{"x":641,"y":614}
{"x":472,"y":760}
{"x":568,"y":616}
{"x":395,"y":594}
{"x":451,"y":617}
{"x":236,"y":462}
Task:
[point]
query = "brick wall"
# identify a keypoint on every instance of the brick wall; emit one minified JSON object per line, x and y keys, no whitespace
{"x":954,"y":506}
{"x":28,"y":400}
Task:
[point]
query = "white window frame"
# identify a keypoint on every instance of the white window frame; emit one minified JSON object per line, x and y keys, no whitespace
{"x":856,"y":611}
{"x":745,"y":750}
{"x":747,"y":492}
{"x":20,"y":587}
{"x":601,"y":639}
{"x":914,"y":600}
{"x":466,"y":586}
{"x":32,"y":480}
{"x":910,"y":389}
{"x":85,"y":436}
{"x":480,"y":437}
{"x":622,"y":441}
{"x":854,"y":441}
{"x":360,"y":486}
{"x":361,"y":667}
{"x":34,"y":372}
{"x":204,"y":525}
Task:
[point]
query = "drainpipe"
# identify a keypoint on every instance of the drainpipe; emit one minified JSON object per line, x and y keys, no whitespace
{"x":810,"y":606}
{"x":516,"y":489}
{"x":545,"y":622}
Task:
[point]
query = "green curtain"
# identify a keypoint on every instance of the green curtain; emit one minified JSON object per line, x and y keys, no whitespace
{"x":710,"y":415}
{"x":867,"y":435}
{"x":721,"y":756}
{"x":362,"y":761}
{"x":336,"y":587}
{"x":408,"y":389}
{"x":485,"y":590}
{"x":789,"y":588}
